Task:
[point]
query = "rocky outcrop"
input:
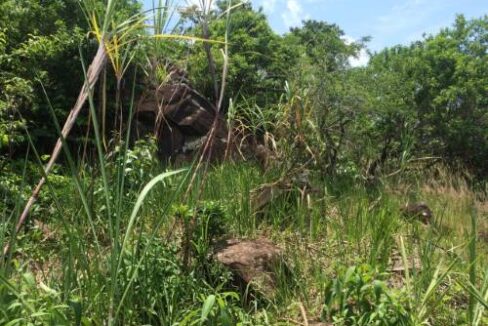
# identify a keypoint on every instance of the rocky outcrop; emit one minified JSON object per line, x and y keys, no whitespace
{"x":179,"y":117}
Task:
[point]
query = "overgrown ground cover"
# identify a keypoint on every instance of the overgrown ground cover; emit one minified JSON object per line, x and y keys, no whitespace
{"x":346,"y":251}
{"x":118,"y":237}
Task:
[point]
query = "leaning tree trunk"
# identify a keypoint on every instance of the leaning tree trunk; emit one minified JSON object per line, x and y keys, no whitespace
{"x":93,"y":73}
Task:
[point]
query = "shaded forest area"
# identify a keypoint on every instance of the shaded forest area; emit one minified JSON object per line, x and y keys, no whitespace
{"x":205,"y":141}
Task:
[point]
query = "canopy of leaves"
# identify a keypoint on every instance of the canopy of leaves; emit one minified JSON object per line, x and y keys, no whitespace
{"x":437,"y":89}
{"x":40,"y":43}
{"x":424,"y":100}
{"x":257,"y":57}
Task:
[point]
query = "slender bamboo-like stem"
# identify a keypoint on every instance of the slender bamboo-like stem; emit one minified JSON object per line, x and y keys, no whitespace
{"x":472,"y":265}
{"x":93,"y":73}
{"x":210,"y":59}
{"x":206,"y":5}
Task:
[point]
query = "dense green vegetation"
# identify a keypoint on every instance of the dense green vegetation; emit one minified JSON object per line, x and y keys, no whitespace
{"x":117,"y":237}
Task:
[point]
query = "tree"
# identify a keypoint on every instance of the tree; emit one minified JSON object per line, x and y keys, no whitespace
{"x":40,"y":44}
{"x":256,"y":66}
{"x":440,"y":83}
{"x":321,"y":78}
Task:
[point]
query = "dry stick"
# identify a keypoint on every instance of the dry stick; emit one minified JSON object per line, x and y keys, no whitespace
{"x":207,"y":149}
{"x":304,"y":314}
{"x":85,"y":143}
{"x":209,"y":144}
{"x":92,"y":76}
{"x":104,"y":108}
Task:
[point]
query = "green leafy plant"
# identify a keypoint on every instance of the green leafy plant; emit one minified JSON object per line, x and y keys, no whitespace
{"x":360,"y":296}
{"x":138,"y":162}
{"x":26,"y":302}
{"x":217,"y":309}
{"x":202,"y":225}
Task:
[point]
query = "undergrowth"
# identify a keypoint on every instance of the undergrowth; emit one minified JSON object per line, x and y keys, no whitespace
{"x":343,"y":252}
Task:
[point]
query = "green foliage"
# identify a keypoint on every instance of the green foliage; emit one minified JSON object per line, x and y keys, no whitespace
{"x":257,"y":67}
{"x":324,"y":45}
{"x":423,"y":101}
{"x":360,"y":296}
{"x":220,"y":309}
{"x":17,"y":91}
{"x":211,"y":218}
{"x":23,"y":302}
{"x":15,"y":179}
{"x":138,"y":162}
{"x":117,"y":255}
{"x":40,"y":43}
{"x":321,"y":101}
{"x":203,"y":225}
{"x":159,"y":286}
{"x":433,"y":90}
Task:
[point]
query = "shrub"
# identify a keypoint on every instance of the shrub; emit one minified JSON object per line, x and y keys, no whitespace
{"x":361,"y":297}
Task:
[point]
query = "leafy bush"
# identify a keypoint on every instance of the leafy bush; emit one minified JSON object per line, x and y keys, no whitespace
{"x":160,"y":283}
{"x":16,"y":178}
{"x":217,"y":309}
{"x":23,"y":302}
{"x":202,"y":225}
{"x":360,"y":296}
{"x":138,"y":162}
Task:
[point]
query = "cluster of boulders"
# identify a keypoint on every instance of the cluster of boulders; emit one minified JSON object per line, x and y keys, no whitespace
{"x":185,"y":123}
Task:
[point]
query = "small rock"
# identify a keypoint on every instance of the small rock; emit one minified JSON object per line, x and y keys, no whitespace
{"x":397,"y":264}
{"x":251,"y":261}
{"x":483,"y":236}
{"x":418,"y":211}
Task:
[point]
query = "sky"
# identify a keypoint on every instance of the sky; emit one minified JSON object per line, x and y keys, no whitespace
{"x":387,"y":22}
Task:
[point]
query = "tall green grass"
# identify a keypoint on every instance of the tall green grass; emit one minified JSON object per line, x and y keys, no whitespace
{"x":135,"y":273}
